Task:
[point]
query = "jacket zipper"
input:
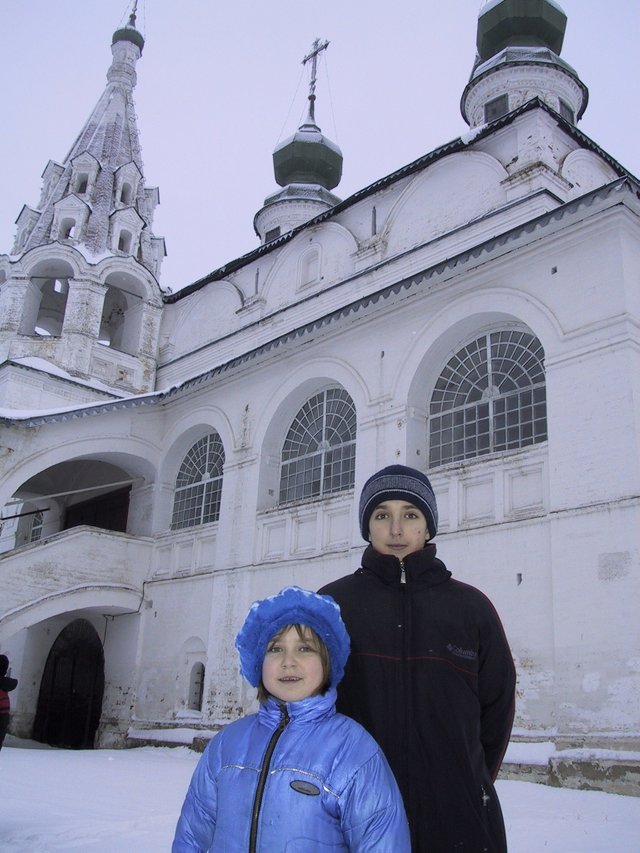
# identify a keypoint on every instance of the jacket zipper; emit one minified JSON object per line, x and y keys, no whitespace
{"x":262,"y":779}
{"x":405,"y":605}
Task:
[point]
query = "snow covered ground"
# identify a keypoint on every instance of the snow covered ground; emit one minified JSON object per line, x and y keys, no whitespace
{"x":101,"y":801}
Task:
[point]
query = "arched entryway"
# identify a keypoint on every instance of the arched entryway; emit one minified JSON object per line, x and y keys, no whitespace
{"x":71,"y":689}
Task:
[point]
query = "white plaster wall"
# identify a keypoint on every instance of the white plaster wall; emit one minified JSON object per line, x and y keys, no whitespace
{"x":453,"y":192}
{"x":172,"y":614}
{"x":550,"y":533}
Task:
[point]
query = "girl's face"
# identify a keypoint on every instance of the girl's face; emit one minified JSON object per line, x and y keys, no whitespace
{"x":292,"y":667}
{"x":397,"y":527}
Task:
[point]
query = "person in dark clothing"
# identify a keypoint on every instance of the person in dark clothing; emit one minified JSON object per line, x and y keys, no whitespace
{"x":6,"y":685}
{"x":430,"y":674}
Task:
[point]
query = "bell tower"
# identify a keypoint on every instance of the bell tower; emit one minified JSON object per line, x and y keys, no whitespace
{"x":80,"y":299}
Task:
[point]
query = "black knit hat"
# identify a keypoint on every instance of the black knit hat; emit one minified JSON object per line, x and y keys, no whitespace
{"x":397,"y":482}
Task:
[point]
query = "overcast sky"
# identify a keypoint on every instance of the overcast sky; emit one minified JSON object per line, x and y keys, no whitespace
{"x":221,"y":83}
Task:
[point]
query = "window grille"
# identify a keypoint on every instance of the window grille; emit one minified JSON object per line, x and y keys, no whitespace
{"x":37,"y":521}
{"x":319,"y":452}
{"x":490,"y":397}
{"x":199,"y":484}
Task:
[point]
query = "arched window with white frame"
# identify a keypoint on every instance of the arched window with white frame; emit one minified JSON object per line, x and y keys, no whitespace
{"x":490,"y":397}
{"x":199,"y":484}
{"x":319,"y":451}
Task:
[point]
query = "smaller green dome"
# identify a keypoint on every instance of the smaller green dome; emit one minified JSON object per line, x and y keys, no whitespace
{"x":308,"y":157}
{"x":525,"y":23}
{"x":129,"y":33}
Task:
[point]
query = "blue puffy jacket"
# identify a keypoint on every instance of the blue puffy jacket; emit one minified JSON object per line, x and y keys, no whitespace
{"x":297,"y":778}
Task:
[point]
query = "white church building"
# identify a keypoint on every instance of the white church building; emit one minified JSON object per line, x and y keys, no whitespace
{"x":168,"y":458}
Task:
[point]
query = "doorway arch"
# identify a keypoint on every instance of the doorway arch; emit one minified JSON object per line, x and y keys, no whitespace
{"x":70,"y":699}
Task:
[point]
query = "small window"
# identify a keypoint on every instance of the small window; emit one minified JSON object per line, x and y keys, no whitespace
{"x":566,"y":112}
{"x":126,"y":193}
{"x":124,"y":242}
{"x":82,"y":184}
{"x":36,"y":526}
{"x":310,"y":267}
{"x":67,"y":227}
{"x":496,"y":108}
{"x":196,"y":687}
{"x":272,"y":234}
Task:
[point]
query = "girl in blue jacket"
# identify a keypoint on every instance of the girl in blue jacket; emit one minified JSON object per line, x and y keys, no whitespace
{"x":297,"y":776}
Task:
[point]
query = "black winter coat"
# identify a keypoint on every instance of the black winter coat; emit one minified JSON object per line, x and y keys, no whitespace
{"x":431,"y":677}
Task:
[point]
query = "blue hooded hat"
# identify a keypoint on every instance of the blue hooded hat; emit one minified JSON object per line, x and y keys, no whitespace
{"x":292,"y":606}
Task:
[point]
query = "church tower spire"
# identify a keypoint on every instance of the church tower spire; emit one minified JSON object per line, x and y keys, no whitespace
{"x":80,"y":302}
{"x":307,"y":166}
{"x":518,"y":58}
{"x":96,"y":198}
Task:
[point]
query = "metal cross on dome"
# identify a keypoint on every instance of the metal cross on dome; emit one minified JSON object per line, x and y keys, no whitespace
{"x":312,"y":56}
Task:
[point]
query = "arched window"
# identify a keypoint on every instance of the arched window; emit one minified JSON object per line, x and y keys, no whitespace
{"x":126,"y":193}
{"x":124,"y":241}
{"x":490,"y":397}
{"x":112,"y":322}
{"x":82,"y":183}
{"x":196,"y":687}
{"x":199,"y":484}
{"x":319,"y":452}
{"x":37,"y":520}
{"x":50,"y":310}
{"x":67,"y":227}
{"x":310,"y":267}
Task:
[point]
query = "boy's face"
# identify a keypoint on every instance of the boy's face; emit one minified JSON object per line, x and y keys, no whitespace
{"x":292,"y":667}
{"x":397,"y":527}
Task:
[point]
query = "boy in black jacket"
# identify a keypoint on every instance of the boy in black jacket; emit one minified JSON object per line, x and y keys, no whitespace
{"x":430,"y":673}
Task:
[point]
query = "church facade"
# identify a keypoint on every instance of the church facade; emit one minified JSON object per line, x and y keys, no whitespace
{"x":168,"y":458}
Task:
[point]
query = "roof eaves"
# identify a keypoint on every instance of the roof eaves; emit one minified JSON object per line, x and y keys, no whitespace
{"x":475,"y":252}
{"x":452,"y":147}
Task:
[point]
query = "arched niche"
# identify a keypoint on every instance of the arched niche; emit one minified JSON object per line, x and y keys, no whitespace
{"x":45,"y":299}
{"x":585,"y":171}
{"x":446,"y":195}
